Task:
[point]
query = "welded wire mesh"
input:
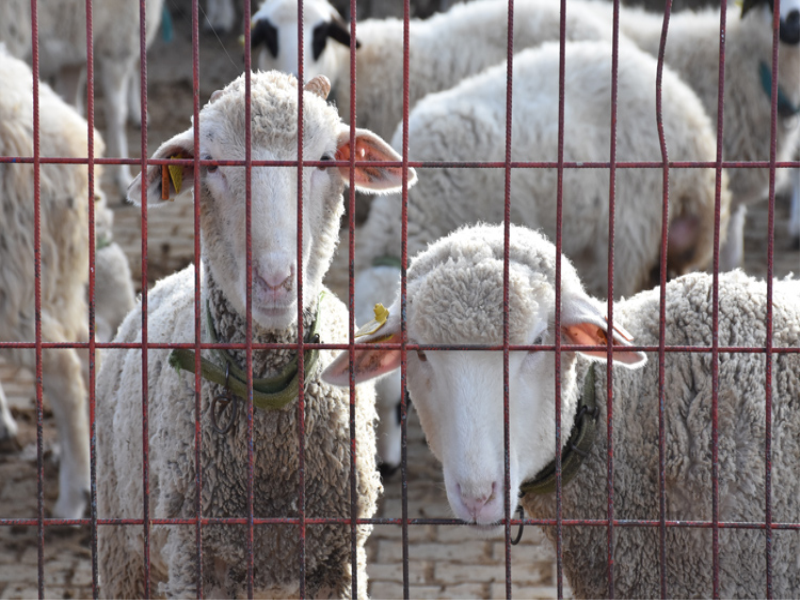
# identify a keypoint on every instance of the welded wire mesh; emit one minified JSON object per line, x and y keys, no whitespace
{"x":302,"y":521}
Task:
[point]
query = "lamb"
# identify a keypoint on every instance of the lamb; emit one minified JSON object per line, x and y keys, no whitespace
{"x":437,"y":62}
{"x":274,"y":308}
{"x":693,"y":51}
{"x":455,"y":297}
{"x":467,"y":123}
{"x":64,"y":263}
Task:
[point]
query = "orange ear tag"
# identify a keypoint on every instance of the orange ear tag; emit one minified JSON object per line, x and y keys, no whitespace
{"x":381,"y":315}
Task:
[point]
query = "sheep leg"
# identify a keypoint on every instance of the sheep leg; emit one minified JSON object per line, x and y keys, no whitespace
{"x":135,"y":97}
{"x":71,"y":86}
{"x":63,"y":382}
{"x":115,"y":77}
{"x":732,"y":252}
{"x":794,"y":217}
{"x":8,"y":428}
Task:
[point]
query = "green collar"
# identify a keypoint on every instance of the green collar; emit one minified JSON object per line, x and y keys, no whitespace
{"x":577,"y":447}
{"x":785,"y":107}
{"x":269,"y":393}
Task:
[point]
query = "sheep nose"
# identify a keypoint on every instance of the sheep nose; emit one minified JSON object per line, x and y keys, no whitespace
{"x":276,"y":279}
{"x":790,"y":28}
{"x":476,"y":497}
{"x":793,"y":17}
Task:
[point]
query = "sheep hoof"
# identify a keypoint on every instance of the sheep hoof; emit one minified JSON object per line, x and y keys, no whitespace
{"x":386,"y":470}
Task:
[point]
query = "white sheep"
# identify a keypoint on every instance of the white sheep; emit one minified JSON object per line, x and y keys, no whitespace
{"x":467,"y":123}
{"x":274,"y":309}
{"x":438,"y":59}
{"x":693,"y":52}
{"x":64,"y":255}
{"x":455,"y":297}
{"x":62,"y":47}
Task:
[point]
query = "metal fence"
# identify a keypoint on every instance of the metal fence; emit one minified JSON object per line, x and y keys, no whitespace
{"x":610,"y":523}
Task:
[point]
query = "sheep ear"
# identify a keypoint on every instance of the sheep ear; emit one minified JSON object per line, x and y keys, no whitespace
{"x":338,"y":29}
{"x":750,"y":4}
{"x":583,"y":324}
{"x":264,"y":32}
{"x":179,"y":179}
{"x":369,"y":363}
{"x":370,"y":147}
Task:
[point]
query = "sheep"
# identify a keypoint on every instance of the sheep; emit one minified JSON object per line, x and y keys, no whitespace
{"x":455,"y":297}
{"x":693,"y":52}
{"x":438,"y":59}
{"x":62,"y":47}
{"x":794,"y":214}
{"x":467,"y":123}
{"x":274,"y":310}
{"x":64,"y":254}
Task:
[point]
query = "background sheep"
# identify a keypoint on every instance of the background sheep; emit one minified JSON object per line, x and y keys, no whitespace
{"x":467,"y":123}
{"x":274,"y":310}
{"x":438,"y":58}
{"x":693,"y":51}
{"x":455,"y":297}
{"x":64,"y":262}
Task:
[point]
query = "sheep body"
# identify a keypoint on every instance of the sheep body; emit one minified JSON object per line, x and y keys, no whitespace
{"x":438,"y":58}
{"x":467,"y":123}
{"x":274,"y":307}
{"x":64,"y":196}
{"x":455,"y":291}
{"x":693,"y":52}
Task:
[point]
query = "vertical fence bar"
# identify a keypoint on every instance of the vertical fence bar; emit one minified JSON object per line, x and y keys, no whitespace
{"x":351,"y":225}
{"x":37,"y":269}
{"x":198,"y":309}
{"x":145,"y":396}
{"x":612,"y":179}
{"x":662,"y":333}
{"x":773,"y":149}
{"x":506,"y":268}
{"x":91,"y":390}
{"x":301,"y":406}
{"x":248,"y":198}
{"x":715,"y":308}
{"x":557,"y":327}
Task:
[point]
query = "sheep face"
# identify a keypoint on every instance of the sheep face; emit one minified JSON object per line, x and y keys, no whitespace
{"x":274,"y":32}
{"x":790,"y":17}
{"x":455,"y":297}
{"x":274,"y":191}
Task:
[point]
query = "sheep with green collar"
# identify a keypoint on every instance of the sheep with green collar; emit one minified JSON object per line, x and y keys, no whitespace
{"x":455,"y":297}
{"x":274,"y":305}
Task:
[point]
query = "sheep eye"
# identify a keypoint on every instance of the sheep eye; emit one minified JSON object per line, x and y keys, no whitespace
{"x":324,"y":157}
{"x":538,"y":341}
{"x":421,"y":356}
{"x":211,"y":168}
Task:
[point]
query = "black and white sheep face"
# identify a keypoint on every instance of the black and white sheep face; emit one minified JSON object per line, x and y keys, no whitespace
{"x":275,"y":218}
{"x":789,"y":15}
{"x":274,"y":32}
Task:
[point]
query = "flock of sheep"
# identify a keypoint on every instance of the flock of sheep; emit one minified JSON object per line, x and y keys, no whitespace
{"x":457,"y":100}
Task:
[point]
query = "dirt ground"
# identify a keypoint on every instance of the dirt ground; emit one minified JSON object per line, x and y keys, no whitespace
{"x":446,"y":561}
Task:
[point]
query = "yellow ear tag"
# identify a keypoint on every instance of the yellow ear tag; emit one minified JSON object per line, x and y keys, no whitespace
{"x":381,"y":315}
{"x":176,"y":174}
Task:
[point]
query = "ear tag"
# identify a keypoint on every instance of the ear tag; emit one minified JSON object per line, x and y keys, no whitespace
{"x":381,"y":315}
{"x":176,"y":175}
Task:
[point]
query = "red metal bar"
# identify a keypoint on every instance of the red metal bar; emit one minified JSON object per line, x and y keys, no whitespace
{"x":506,"y":269}
{"x":198,"y":309}
{"x":301,"y":419}
{"x":557,"y":326}
{"x":248,"y":196}
{"x":662,"y":485}
{"x":612,"y":174}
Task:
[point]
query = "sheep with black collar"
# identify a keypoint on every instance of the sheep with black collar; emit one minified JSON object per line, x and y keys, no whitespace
{"x":455,"y":297}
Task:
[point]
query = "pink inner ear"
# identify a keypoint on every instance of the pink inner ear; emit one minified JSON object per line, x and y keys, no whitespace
{"x":367,"y":364}
{"x":585,"y":334}
{"x":369,"y":176}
